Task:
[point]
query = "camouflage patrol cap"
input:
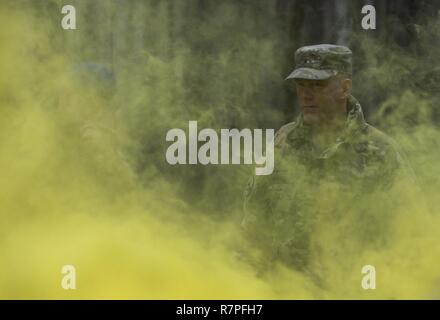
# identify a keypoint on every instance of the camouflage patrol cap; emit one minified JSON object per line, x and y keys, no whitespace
{"x":320,"y":62}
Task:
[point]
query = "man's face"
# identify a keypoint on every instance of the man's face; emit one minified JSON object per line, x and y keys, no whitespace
{"x":322,"y":100}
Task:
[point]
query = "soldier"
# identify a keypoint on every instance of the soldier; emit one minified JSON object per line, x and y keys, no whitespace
{"x":328,"y":163}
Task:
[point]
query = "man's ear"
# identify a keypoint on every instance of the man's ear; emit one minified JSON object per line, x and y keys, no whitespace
{"x":346,"y":88}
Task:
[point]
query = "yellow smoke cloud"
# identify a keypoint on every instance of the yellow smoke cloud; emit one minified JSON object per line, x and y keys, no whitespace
{"x":69,"y":193}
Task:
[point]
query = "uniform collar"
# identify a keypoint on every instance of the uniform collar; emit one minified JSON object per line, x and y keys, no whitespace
{"x":355,"y":122}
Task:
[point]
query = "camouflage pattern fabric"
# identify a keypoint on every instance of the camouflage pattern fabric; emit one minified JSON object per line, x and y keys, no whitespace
{"x":320,"y":62}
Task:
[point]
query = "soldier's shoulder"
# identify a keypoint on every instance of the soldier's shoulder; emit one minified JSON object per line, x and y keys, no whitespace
{"x":391,"y":151}
{"x":283,"y":132}
{"x":381,"y":143}
{"x":379,"y":137}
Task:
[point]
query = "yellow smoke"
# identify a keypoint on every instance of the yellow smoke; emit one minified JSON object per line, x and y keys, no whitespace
{"x":69,"y":193}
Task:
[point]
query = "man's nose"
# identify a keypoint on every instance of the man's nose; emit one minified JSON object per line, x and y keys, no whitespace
{"x":307,"y":93}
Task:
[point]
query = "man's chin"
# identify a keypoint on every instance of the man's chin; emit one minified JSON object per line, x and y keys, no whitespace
{"x":311,"y":118}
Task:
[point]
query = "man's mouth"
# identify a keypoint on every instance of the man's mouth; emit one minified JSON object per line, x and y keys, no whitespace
{"x":311,"y":109}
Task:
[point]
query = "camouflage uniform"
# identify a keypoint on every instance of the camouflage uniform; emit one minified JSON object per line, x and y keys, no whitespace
{"x":282,"y":209}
